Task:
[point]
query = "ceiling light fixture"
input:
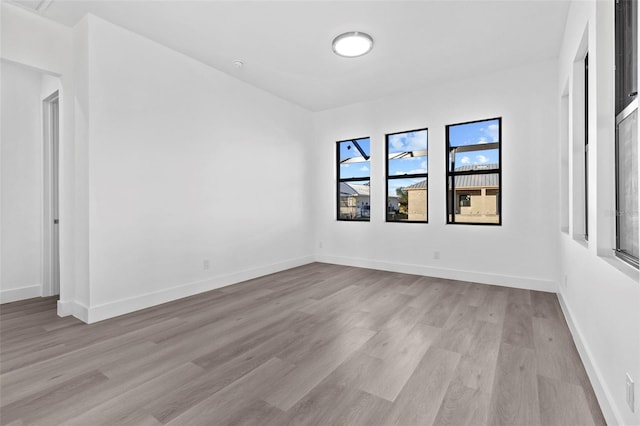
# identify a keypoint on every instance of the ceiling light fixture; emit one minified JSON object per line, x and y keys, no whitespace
{"x":352,"y":44}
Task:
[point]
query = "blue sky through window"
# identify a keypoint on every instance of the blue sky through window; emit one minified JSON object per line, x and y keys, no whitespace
{"x":409,"y":142}
{"x":357,"y":166}
{"x":475,"y":133}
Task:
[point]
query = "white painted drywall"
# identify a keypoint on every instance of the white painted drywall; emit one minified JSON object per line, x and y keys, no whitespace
{"x":36,"y":42}
{"x":519,"y":253}
{"x":602,"y":296}
{"x":21,"y":183}
{"x":186,"y":164}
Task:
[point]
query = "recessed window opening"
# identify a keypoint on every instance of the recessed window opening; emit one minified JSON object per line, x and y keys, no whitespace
{"x":407,"y":176}
{"x":474,"y":172}
{"x":353,"y":171}
{"x":586,"y":147}
{"x":626,"y":166}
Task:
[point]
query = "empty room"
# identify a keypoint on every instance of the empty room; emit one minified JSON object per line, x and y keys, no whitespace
{"x":319,"y":212}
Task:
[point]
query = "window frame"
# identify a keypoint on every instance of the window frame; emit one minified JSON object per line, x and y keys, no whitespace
{"x":626,"y":103}
{"x":340,"y":180}
{"x":406,"y":176}
{"x":586,"y":147}
{"x":620,"y":253}
{"x":450,"y":176}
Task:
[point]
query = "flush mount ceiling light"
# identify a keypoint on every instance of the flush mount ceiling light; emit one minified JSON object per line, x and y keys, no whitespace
{"x":352,"y":44}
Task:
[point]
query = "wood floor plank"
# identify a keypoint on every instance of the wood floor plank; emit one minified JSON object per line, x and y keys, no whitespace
{"x":458,"y":329}
{"x":519,"y":296}
{"x":476,"y":369}
{"x":494,"y":306}
{"x":229,"y":401}
{"x":518,"y":325}
{"x":254,"y":413}
{"x":386,"y":377}
{"x":555,"y":396}
{"x":444,"y":305}
{"x":558,"y":358}
{"x":460,"y":405}
{"x":312,"y":370}
{"x":421,"y":397}
{"x":41,"y":401}
{"x":126,"y":406}
{"x":545,"y":305}
{"x":515,"y":388}
{"x":177,"y":400}
{"x":21,"y":383}
{"x":349,"y":406}
{"x":314,"y":345}
{"x":467,"y":401}
{"x":393,"y":333}
{"x":475,"y":295}
{"x":555,"y":353}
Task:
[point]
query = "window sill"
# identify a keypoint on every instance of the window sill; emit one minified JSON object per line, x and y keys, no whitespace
{"x":581,"y":241}
{"x":622,"y":266}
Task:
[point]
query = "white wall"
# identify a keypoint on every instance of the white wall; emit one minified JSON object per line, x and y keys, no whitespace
{"x":32,"y":40}
{"x":186,"y":164}
{"x":165,"y":163}
{"x":519,"y":252}
{"x":601,"y":298}
{"x":21,"y":183}
{"x":41,"y":44}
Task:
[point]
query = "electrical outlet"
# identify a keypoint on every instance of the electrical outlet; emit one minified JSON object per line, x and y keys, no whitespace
{"x":630,"y":393}
{"x":206,"y":264}
{"x":436,"y":255}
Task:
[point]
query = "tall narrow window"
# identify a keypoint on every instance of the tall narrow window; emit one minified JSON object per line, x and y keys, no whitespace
{"x":586,"y":147}
{"x":474,"y":172}
{"x":626,"y":28}
{"x":407,"y":178}
{"x":353,"y":158}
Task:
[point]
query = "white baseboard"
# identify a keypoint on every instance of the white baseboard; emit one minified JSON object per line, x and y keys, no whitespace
{"x":131,"y":304}
{"x":526,"y":283}
{"x":609,"y":409}
{"x":15,"y":294}
{"x":78,"y":310}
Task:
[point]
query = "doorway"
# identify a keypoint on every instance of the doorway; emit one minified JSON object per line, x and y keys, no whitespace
{"x":51,"y":133}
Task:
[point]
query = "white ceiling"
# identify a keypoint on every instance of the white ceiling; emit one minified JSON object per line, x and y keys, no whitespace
{"x":286,"y":45}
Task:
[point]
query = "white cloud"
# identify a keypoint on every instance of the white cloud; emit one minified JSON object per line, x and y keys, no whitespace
{"x":424,"y":165}
{"x":490,"y":134}
{"x":492,"y":131}
{"x":396,"y":143}
{"x":465,"y":160}
{"x":412,"y":141}
{"x":364,"y":169}
{"x":345,"y":166}
{"x":482,"y":159}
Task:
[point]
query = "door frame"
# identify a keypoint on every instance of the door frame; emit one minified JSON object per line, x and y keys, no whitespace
{"x":51,"y":198}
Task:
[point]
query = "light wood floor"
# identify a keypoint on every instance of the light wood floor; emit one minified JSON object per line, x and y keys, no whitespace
{"x":319,"y":344}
